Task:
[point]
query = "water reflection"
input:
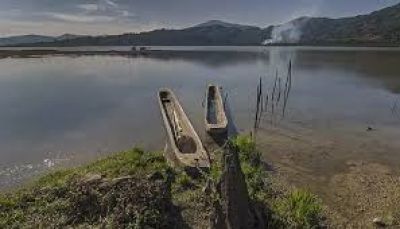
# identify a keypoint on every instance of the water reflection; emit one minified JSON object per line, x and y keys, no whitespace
{"x":71,"y":109}
{"x":213,"y":59}
{"x":379,"y":66}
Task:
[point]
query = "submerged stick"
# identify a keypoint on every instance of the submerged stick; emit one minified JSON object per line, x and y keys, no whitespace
{"x":288,"y":87}
{"x":273,"y":92}
{"x":395,"y":108}
{"x":261,"y":97}
{"x":256,"y":115}
{"x":225,"y":99}
{"x":279,"y":92}
{"x":260,"y":103}
{"x":257,"y":106}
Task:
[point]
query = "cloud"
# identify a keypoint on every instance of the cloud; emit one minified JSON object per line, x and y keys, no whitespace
{"x":109,"y":3}
{"x":99,"y":12}
{"x":104,"y":8}
{"x":55,"y":28}
{"x":78,"y":17}
{"x":88,"y":7}
{"x":95,"y":16}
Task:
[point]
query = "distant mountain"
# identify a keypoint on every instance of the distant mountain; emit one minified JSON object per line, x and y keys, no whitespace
{"x":68,"y":36}
{"x":25,"y":39}
{"x":220,"y":33}
{"x":34,"y":39}
{"x":381,"y":27}
{"x":213,"y":23}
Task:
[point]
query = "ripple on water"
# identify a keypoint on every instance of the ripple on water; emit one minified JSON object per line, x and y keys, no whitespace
{"x":14,"y":175}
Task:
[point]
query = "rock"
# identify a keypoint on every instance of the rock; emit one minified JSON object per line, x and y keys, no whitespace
{"x":370,"y":128}
{"x":120,"y":179}
{"x":92,"y":178}
{"x":379,"y":222}
{"x":351,"y":163}
{"x":386,"y":221}
{"x":156,"y":176}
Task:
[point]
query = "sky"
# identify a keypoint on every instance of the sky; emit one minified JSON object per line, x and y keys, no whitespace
{"x":97,"y":17}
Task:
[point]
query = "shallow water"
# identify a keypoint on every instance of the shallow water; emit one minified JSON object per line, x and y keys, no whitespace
{"x":64,"y":110}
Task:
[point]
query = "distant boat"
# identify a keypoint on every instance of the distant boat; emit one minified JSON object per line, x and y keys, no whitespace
{"x":187,"y":149}
{"x":215,"y":117}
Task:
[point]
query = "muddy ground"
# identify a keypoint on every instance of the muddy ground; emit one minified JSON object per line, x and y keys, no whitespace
{"x":356,"y":173}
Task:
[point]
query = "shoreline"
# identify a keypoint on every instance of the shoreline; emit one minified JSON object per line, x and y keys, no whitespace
{"x":358,"y":182}
{"x":146,"y":191}
{"x":357,"y":187}
{"x":316,"y":44}
{"x":32,"y":52}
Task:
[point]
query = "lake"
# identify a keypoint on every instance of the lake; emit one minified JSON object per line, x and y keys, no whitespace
{"x":58,"y":111}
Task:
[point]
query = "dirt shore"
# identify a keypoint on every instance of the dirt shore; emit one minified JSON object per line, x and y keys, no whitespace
{"x":356,"y":175}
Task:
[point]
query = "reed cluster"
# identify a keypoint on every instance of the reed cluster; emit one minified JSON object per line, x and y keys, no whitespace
{"x":274,"y":101}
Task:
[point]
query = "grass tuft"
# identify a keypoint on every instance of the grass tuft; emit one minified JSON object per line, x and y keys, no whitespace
{"x":296,"y":209}
{"x":184,"y":181}
{"x":251,"y":164}
{"x":300,"y":209}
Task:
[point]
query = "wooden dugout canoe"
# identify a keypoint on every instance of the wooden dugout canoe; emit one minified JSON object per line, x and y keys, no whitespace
{"x":215,"y":118}
{"x":186,"y":148}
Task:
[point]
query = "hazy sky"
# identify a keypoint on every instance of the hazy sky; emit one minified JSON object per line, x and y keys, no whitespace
{"x":56,"y":17}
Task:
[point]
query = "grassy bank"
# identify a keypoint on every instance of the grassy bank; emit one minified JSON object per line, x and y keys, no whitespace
{"x":283,"y":205}
{"x":138,"y":189}
{"x":126,"y":189}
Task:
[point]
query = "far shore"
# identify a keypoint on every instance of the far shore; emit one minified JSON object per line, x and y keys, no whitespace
{"x":34,"y":51}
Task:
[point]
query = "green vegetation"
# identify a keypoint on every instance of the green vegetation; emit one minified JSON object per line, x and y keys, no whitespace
{"x":184,"y":181}
{"x":138,"y":189}
{"x":285,"y":208}
{"x":252,"y":166}
{"x":128,"y":189}
{"x":300,"y":208}
{"x":377,"y":28}
{"x":131,"y":162}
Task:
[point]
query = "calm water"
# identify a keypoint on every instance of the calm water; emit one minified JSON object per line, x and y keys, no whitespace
{"x":61,"y":110}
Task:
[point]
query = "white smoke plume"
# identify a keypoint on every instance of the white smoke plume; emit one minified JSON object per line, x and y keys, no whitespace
{"x":288,"y":33}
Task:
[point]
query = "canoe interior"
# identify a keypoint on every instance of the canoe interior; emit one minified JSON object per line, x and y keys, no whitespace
{"x":215,"y":114}
{"x":212,"y":107}
{"x":181,"y":131}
